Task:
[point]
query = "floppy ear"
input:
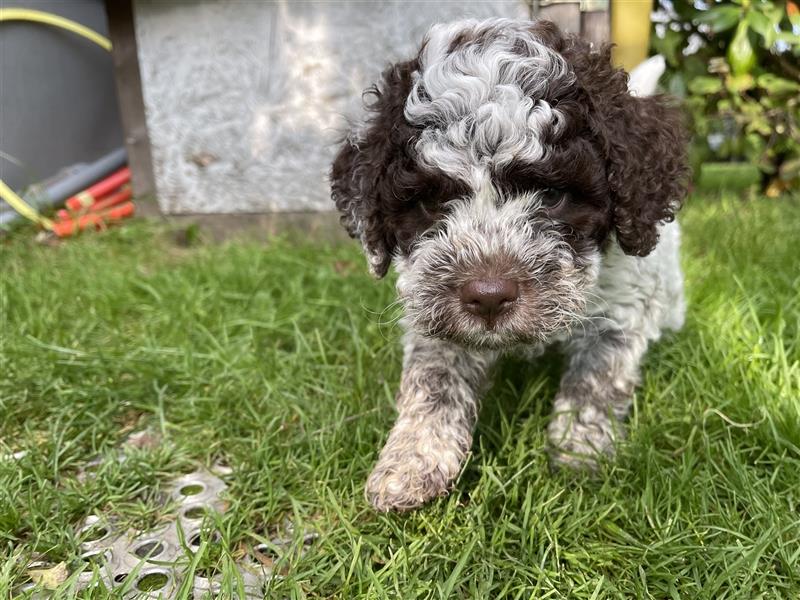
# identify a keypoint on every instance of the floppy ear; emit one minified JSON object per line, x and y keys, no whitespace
{"x":644,"y":142}
{"x":368,"y":160}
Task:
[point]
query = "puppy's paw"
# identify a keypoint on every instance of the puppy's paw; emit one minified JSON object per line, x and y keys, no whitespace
{"x":580,"y":438}
{"x":407,"y":477}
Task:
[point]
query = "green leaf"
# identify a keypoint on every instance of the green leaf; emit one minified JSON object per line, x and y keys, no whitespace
{"x":773,"y":13}
{"x":790,"y":38}
{"x":741,"y":56}
{"x":777,"y":85}
{"x":754,"y":144}
{"x":751,"y":109}
{"x":724,"y":105}
{"x":762,"y":25}
{"x":766,"y":102}
{"x":719,"y":18}
{"x":669,"y":46}
{"x":760,"y":126}
{"x":693,"y":66}
{"x":739,"y":83}
{"x":705,"y":85}
{"x":676,"y":85}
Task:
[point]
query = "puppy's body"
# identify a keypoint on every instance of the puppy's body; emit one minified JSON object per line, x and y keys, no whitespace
{"x":526,"y":198}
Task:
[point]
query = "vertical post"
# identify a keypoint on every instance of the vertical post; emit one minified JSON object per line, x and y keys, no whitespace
{"x":567,"y":15}
{"x":595,"y":21}
{"x":630,"y":30}
{"x":129,"y":94}
{"x":588,"y":18}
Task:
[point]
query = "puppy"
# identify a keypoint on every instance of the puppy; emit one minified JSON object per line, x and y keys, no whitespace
{"x":527,"y":200}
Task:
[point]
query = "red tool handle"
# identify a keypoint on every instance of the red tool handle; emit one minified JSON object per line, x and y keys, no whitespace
{"x":112,"y":200}
{"x":116,"y":198}
{"x":70,"y":227}
{"x":91,"y":194}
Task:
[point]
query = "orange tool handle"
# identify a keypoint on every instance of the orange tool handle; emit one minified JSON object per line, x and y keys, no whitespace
{"x":117,"y":198}
{"x":91,"y":194}
{"x":112,"y":200}
{"x":99,"y":219}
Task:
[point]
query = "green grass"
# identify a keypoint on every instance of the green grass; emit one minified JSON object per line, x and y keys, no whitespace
{"x":280,"y":359}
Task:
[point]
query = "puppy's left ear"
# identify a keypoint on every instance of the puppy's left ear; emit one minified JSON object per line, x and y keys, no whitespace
{"x":644,"y":142}
{"x":371,"y":164}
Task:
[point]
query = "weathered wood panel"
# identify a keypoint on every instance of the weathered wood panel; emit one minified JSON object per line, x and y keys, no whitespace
{"x":245,"y":100}
{"x":596,"y":26}
{"x":566,"y":14}
{"x":129,"y":94}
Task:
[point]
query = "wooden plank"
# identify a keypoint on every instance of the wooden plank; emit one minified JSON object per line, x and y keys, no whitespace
{"x":247,"y":117}
{"x":567,"y":15}
{"x":129,"y":94}
{"x":596,"y":27}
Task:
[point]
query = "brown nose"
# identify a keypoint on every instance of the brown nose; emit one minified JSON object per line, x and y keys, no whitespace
{"x":489,"y":298}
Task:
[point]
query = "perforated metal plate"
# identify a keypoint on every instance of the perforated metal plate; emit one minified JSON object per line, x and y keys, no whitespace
{"x":156,"y":559}
{"x":153,"y":564}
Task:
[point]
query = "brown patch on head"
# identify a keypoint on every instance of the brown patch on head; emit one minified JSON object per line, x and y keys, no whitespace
{"x":386,"y":198}
{"x":360,"y":168}
{"x":573,"y":186}
{"x":643,"y":142}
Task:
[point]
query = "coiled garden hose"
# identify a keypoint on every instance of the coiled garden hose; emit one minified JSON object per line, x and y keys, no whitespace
{"x":38,"y":16}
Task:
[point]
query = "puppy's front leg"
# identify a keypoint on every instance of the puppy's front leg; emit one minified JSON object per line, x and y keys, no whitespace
{"x":594,"y":397}
{"x":438,"y":406}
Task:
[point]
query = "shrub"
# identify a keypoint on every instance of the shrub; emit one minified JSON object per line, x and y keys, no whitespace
{"x":737,"y":64}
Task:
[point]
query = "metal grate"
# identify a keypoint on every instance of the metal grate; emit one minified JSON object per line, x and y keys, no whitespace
{"x":152,"y":564}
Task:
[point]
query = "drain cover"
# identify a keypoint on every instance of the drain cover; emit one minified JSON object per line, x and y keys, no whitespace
{"x":120,"y":556}
{"x":151,"y":564}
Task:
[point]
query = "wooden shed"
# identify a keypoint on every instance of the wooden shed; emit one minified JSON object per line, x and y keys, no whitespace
{"x":236,"y":107}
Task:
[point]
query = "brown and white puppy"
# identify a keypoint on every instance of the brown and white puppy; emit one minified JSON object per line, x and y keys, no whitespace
{"x":527,"y":198}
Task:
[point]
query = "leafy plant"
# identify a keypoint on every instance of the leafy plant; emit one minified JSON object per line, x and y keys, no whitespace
{"x":737,"y":64}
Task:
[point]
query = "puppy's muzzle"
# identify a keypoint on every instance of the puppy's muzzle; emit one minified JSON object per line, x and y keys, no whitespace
{"x":489,"y":299}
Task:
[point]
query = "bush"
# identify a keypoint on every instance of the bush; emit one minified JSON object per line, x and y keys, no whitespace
{"x":737,"y":64}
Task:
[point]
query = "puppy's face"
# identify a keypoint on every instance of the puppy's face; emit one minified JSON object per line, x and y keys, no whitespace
{"x":495,"y":168}
{"x":496,"y":270}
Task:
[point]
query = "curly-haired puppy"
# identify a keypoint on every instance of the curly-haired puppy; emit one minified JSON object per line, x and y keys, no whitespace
{"x":526,"y":197}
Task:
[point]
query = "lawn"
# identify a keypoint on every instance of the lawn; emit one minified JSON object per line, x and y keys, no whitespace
{"x":282,"y":358}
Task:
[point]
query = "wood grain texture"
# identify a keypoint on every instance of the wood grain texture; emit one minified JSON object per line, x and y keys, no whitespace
{"x":129,"y":94}
{"x":246,"y":101}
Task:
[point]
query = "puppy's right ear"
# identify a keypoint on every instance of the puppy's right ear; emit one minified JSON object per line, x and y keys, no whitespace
{"x":364,"y":176}
{"x":643,"y":141}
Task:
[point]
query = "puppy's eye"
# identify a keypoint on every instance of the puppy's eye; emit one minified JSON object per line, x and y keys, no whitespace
{"x":552,"y":197}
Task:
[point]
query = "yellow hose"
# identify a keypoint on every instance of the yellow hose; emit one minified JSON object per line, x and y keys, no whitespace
{"x":22,"y":207}
{"x":37,"y":16}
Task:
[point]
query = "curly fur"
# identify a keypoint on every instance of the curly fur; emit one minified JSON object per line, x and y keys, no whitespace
{"x":507,"y":150}
{"x":643,"y":140}
{"x":501,"y":240}
{"x":438,"y":406}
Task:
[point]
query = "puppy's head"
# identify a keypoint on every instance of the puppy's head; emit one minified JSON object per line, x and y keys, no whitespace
{"x":495,"y":167}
